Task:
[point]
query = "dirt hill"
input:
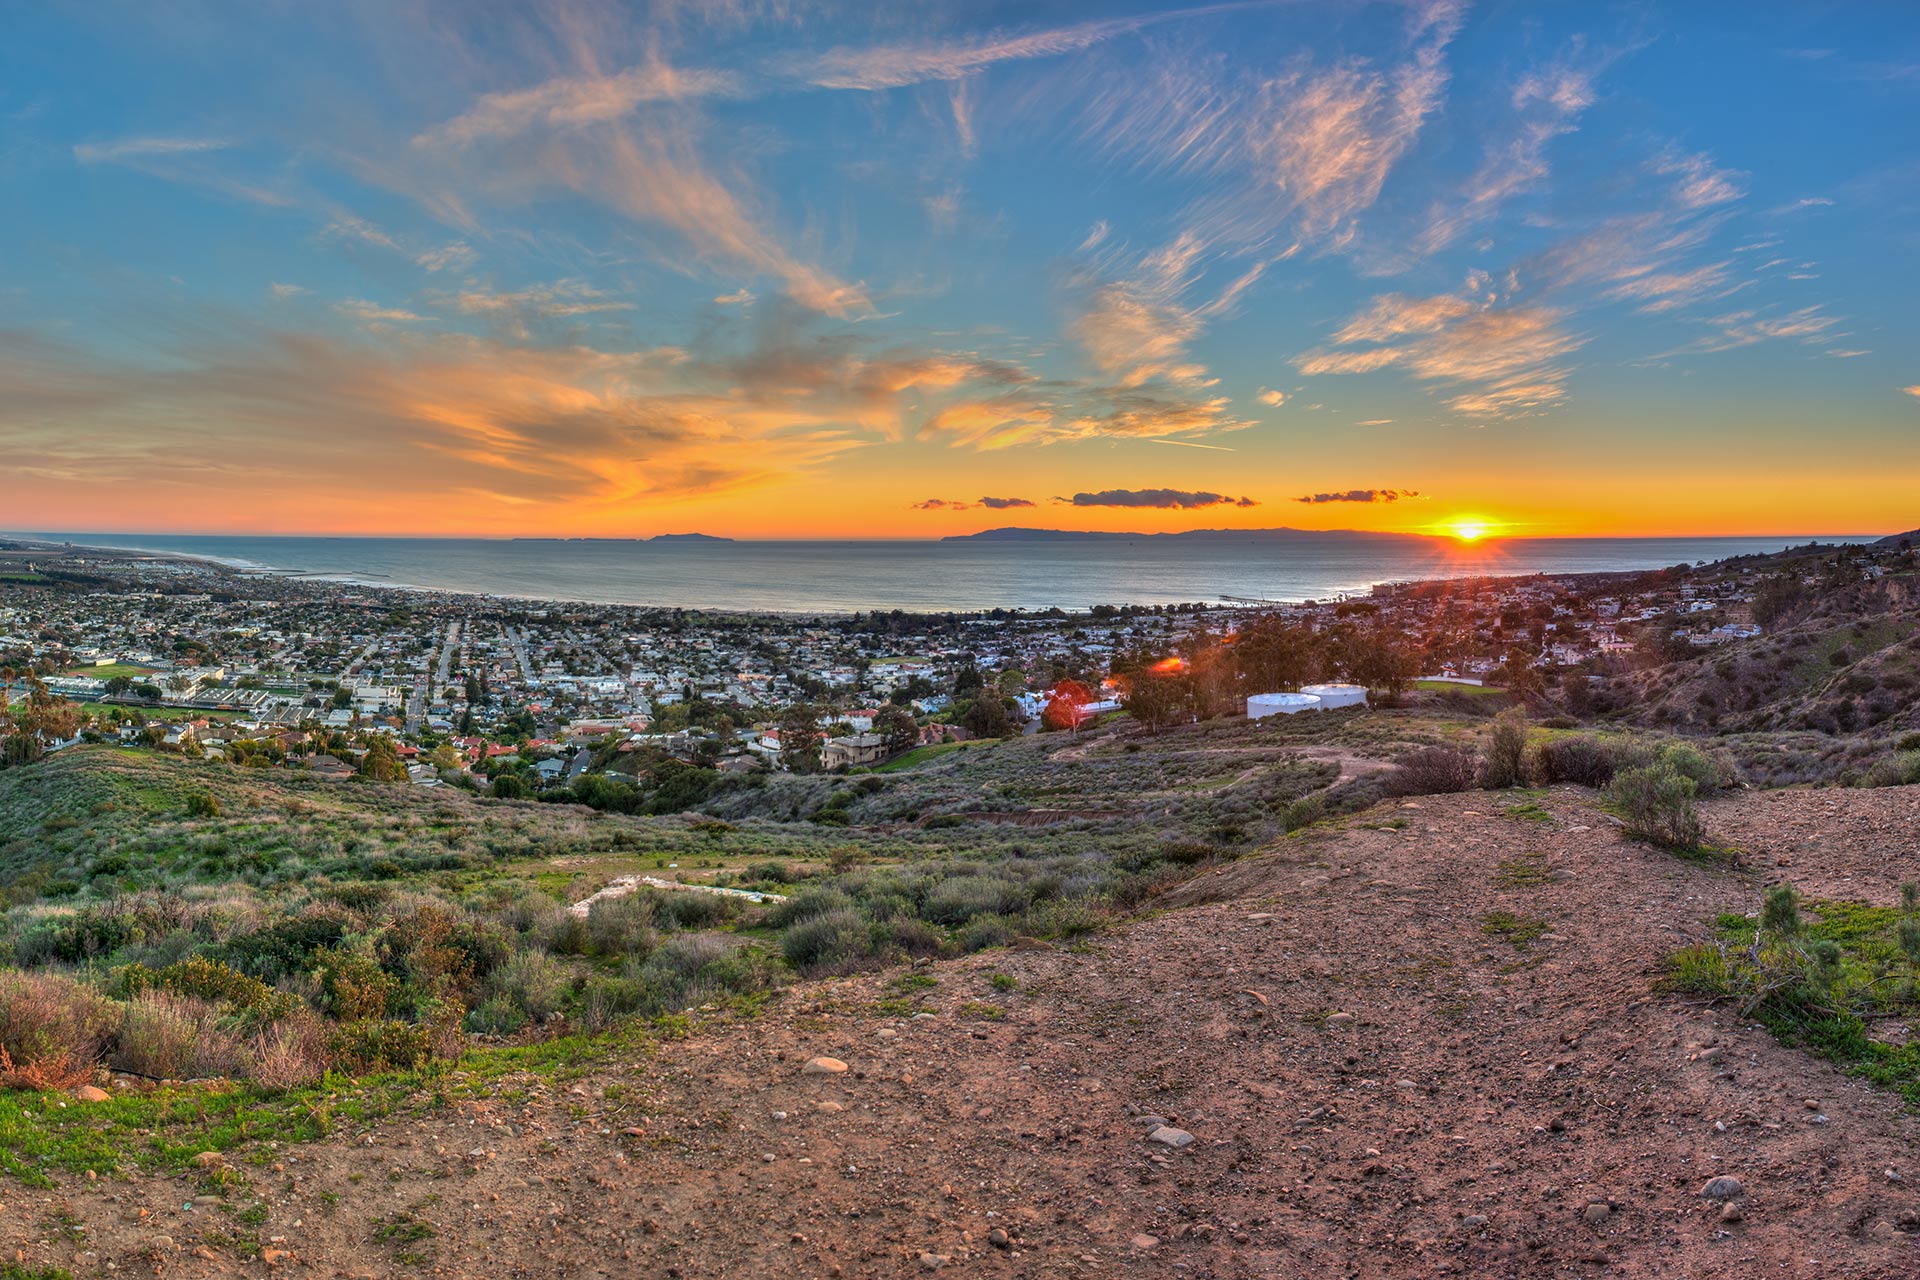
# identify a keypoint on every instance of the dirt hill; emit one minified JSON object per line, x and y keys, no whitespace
{"x":1424,"y":1043}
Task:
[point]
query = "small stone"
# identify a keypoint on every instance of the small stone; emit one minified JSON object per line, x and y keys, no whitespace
{"x":1598,"y":1212}
{"x":207,"y":1159}
{"x":999,"y":1239}
{"x":275,"y":1257}
{"x":91,"y":1093}
{"x":1731,"y":1213}
{"x":933,"y":1261}
{"x":1145,"y":1241}
{"x":825,"y":1067}
{"x":829,"y":1107}
{"x":1168,"y":1136}
{"x":1723,"y":1187}
{"x":1473,"y":1222}
{"x":1339,"y":1019}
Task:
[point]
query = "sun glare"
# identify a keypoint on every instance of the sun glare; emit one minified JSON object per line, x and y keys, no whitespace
{"x":1467,"y":528}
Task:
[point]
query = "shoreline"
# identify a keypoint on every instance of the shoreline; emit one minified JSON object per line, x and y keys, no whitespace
{"x":244,"y":568}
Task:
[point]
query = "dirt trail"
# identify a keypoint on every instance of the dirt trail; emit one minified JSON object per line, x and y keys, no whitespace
{"x":1375,"y":1085}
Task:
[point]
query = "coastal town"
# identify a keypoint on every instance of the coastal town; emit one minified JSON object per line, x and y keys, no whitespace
{"x":528,"y":696}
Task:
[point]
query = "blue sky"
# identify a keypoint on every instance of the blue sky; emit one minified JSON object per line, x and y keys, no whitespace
{"x":796,"y":269}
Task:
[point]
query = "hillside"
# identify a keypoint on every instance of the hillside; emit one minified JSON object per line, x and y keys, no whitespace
{"x":1482,"y":1080}
{"x":1837,"y":673}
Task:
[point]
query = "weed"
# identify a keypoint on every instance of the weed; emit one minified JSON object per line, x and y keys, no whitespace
{"x":1519,"y":932}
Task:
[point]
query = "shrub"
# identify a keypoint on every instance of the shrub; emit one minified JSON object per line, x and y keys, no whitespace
{"x":289,"y":1052}
{"x":52,"y":1030}
{"x":622,"y":926}
{"x":532,"y":983}
{"x":1432,"y":771}
{"x":1899,"y":770}
{"x":1657,"y":803}
{"x":680,"y":909}
{"x":983,"y":932}
{"x":355,"y":986}
{"x":208,"y":979}
{"x":201,"y":804}
{"x":833,"y":940}
{"x":1581,"y":759}
{"x":377,"y":1044}
{"x":1506,"y":752}
{"x":684,"y":957}
{"x":806,"y":904}
{"x":174,"y":1037}
{"x":961,"y":898}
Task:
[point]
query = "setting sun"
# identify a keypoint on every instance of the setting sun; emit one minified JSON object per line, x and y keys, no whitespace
{"x":1466,"y":528}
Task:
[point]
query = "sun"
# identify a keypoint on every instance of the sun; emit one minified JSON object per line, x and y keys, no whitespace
{"x":1467,"y":528}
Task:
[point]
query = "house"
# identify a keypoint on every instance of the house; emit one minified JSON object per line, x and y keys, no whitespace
{"x":853,"y":751}
{"x":330,"y":767}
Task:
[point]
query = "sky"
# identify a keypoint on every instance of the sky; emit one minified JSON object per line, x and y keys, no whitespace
{"x":826,"y":270}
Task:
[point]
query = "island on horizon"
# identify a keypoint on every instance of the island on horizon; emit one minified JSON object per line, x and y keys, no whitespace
{"x":1016,"y":533}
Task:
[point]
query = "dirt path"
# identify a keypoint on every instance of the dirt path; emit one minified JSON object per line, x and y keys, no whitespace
{"x":1376,"y":1086}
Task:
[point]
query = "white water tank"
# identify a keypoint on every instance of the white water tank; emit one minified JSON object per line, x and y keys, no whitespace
{"x":1262,"y":705}
{"x":1337,"y":695}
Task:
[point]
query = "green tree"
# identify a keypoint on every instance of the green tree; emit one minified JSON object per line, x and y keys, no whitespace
{"x":898,"y":728}
{"x":800,"y":738}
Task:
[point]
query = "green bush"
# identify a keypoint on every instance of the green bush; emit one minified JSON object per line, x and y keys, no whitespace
{"x":531,"y":983}
{"x":1582,"y":759}
{"x":961,"y":898}
{"x":622,"y":926}
{"x":804,"y":905}
{"x":1502,"y":765}
{"x":375,"y":1044}
{"x":831,"y":941}
{"x":1657,"y":803}
{"x":1899,"y":770}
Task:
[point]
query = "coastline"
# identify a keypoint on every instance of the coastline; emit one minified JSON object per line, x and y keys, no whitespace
{"x":767,"y":568}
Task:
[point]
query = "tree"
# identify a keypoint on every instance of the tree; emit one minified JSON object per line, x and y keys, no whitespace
{"x":119,"y":685}
{"x":1157,"y":694}
{"x":382,"y":762}
{"x":1276,"y":656}
{"x":986,"y":717}
{"x":898,"y":728}
{"x":800,"y":738}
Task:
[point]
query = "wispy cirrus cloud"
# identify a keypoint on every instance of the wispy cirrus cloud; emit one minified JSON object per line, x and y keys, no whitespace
{"x":1913,"y":391}
{"x":575,"y":101}
{"x":1302,"y":153}
{"x":1746,"y":328}
{"x":1160,"y":499}
{"x":1503,"y":359}
{"x":1547,"y":104}
{"x":145,"y":148}
{"x":1358,"y":495}
{"x":894,"y":66}
{"x":361,"y":309}
{"x":1699,"y":184}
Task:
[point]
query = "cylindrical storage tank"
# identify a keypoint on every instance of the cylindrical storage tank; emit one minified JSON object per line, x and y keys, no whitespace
{"x":1338,"y":695}
{"x":1262,"y":705}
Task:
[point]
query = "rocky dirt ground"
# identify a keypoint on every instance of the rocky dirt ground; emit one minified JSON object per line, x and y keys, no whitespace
{"x":1374,"y":1084}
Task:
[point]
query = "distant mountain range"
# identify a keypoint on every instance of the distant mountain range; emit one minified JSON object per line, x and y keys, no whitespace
{"x":1016,"y":534}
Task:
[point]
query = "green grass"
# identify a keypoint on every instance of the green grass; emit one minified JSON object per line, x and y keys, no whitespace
{"x":1519,"y":932}
{"x":920,"y":755}
{"x":1523,"y":871}
{"x":111,"y":670}
{"x":1827,"y":990}
{"x":1469,"y":690}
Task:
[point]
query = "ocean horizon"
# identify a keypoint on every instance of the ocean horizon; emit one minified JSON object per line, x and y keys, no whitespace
{"x":839,"y":577}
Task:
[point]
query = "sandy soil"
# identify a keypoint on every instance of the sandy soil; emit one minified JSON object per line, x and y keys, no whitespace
{"x":1374,"y":1085}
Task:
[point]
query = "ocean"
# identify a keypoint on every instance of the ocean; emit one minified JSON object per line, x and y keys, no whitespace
{"x":843,"y":577}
